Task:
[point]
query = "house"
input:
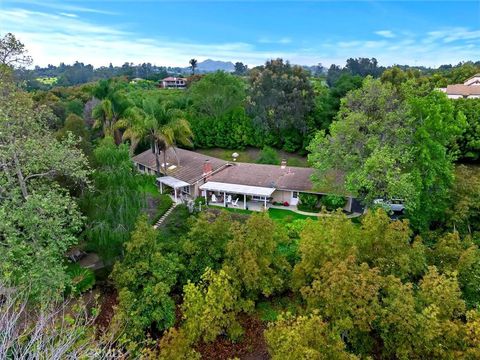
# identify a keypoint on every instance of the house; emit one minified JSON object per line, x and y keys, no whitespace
{"x":470,"y":89}
{"x":173,"y":83}
{"x":192,"y":174}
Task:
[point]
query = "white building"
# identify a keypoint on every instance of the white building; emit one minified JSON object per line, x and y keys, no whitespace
{"x":470,"y":89}
{"x":173,"y":83}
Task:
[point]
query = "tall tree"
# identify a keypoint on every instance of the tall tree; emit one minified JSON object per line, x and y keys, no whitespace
{"x":253,"y":257}
{"x":159,"y":122}
{"x":40,"y":220}
{"x":240,"y":69}
{"x":383,"y":146}
{"x":13,"y":52}
{"x":114,"y":205}
{"x":144,"y":279}
{"x":193,"y":65}
{"x":114,"y":106}
{"x":280,"y":102}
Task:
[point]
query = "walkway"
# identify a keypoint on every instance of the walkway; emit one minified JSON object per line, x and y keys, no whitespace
{"x":164,"y":216}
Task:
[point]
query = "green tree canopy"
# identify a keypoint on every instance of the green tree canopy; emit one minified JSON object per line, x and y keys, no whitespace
{"x":40,"y":220}
{"x":253,"y":257}
{"x":280,"y":100}
{"x":305,"y":337}
{"x":385,"y":146}
{"x":144,"y":279}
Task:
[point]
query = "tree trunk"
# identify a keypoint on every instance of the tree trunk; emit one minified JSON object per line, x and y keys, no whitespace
{"x":117,"y":136}
{"x":21,"y":179}
{"x":165,"y":161}
{"x":157,"y":160}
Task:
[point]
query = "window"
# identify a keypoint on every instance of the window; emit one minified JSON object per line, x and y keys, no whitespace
{"x":186,"y":190}
{"x":141,"y":167}
{"x":258,"y":198}
{"x":295,"y":194}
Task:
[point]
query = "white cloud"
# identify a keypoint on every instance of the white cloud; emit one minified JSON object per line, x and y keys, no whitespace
{"x":61,"y":6}
{"x":267,"y":40}
{"x":53,"y":38}
{"x":385,"y":33}
{"x":68,"y":14}
{"x":56,"y":37}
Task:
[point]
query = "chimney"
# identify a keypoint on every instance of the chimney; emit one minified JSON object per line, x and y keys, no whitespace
{"x":207,"y":167}
{"x":283,"y":164}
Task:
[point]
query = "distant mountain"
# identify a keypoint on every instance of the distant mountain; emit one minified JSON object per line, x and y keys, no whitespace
{"x":210,"y":65}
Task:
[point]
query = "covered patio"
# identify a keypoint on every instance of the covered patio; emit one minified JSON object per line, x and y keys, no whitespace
{"x":224,"y":192}
{"x":174,"y":183}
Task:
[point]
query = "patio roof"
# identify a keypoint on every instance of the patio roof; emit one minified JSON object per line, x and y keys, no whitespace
{"x":172,"y":182}
{"x":237,"y":189}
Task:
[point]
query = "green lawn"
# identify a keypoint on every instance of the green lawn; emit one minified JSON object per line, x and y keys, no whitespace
{"x":275,"y":214}
{"x":280,"y":214}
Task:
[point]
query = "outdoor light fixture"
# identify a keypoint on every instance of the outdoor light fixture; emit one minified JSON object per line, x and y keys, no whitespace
{"x":235,"y":156}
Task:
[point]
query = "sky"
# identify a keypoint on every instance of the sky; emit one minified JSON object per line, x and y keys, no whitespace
{"x":170,"y":33}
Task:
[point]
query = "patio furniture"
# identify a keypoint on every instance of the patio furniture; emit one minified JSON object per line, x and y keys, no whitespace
{"x":229,"y":198}
{"x":235,"y":202}
{"x":214,"y":198}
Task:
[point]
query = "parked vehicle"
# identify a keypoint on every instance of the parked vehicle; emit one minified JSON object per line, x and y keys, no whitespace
{"x":395,"y":205}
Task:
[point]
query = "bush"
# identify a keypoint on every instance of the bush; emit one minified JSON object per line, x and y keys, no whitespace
{"x":333,"y":202}
{"x":308,"y":202}
{"x":200,"y":200}
{"x":81,"y":279}
{"x":268,"y":155}
{"x":165,"y":203}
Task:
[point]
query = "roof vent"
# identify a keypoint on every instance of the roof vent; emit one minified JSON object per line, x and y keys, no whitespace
{"x":283,"y":164}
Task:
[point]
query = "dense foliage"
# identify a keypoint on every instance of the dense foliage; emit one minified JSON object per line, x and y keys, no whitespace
{"x":388,"y":145}
{"x":39,"y":218}
{"x":281,"y":103}
{"x":115,"y":203}
{"x":229,"y":283}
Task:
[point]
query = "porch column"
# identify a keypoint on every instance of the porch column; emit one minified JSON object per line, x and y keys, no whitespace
{"x":224,"y":199}
{"x":161,"y":187}
{"x":175,"y":189}
{"x":265,"y":203}
{"x":206,"y":197}
{"x":245,"y":201}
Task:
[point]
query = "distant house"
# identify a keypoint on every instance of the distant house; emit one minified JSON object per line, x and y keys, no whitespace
{"x":173,"y":83}
{"x":470,"y":89}
{"x":254,"y":186}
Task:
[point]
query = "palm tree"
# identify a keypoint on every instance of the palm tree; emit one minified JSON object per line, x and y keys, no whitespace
{"x":114,"y":106}
{"x":193,"y":65}
{"x":162,"y":124}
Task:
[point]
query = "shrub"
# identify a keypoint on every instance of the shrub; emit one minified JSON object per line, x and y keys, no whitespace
{"x":308,"y":202}
{"x":200,"y":200}
{"x":268,"y":156}
{"x":165,"y":203}
{"x":82,"y":279}
{"x":333,"y":202}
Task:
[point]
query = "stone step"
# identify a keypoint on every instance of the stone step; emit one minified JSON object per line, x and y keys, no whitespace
{"x":164,"y":216}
